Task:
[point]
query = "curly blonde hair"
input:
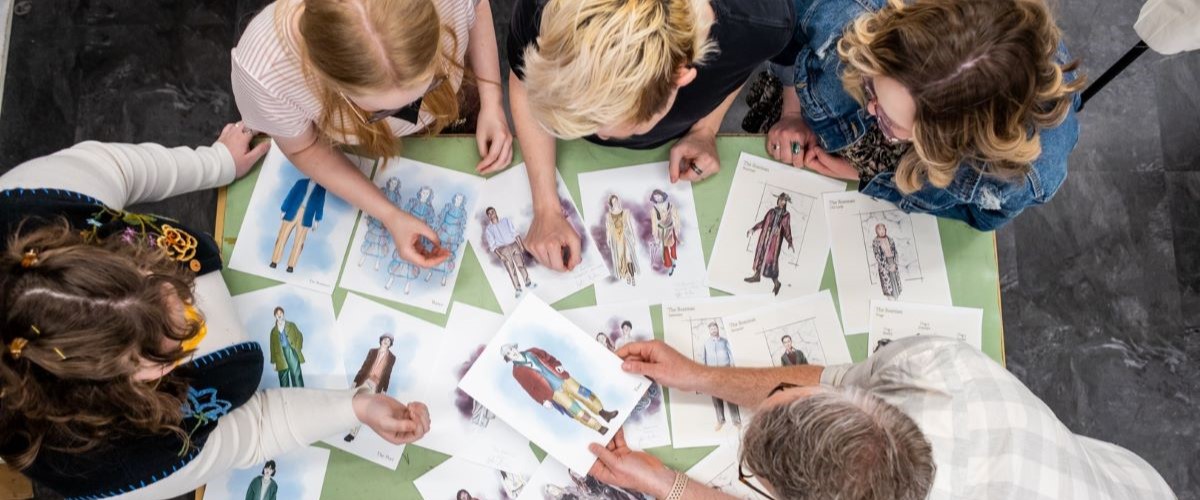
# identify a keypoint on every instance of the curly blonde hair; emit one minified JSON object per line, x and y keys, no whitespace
{"x":983,"y":75}
{"x":603,"y":62}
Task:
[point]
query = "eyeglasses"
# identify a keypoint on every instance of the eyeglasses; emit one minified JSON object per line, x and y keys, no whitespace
{"x":744,"y":478}
{"x":410,"y":112}
{"x":886,"y":125}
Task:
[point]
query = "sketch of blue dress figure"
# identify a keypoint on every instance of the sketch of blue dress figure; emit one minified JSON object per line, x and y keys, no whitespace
{"x":420,"y":207}
{"x":452,"y":224}
{"x":377,"y":242}
{"x":886,"y":262}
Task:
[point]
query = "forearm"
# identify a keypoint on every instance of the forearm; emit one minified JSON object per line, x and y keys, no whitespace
{"x":538,"y":148}
{"x":485,"y":58}
{"x":791,"y":102}
{"x":712,"y":123}
{"x":700,"y":491}
{"x":750,"y":386}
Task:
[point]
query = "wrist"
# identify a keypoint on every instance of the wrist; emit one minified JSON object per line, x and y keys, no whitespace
{"x":665,"y":481}
{"x":702,"y":129}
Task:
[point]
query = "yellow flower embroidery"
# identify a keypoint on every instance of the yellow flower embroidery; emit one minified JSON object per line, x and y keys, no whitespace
{"x":177,"y":244}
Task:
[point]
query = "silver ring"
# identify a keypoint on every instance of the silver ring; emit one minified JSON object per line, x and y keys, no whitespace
{"x":697,"y":170}
{"x":775,"y":147}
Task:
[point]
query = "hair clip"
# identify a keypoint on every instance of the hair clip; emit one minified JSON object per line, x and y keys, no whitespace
{"x":35,"y":329}
{"x":30,"y":259}
{"x":60,"y":354}
{"x":17,"y":346}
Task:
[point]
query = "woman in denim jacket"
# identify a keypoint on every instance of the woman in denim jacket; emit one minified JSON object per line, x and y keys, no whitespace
{"x":963,"y":109}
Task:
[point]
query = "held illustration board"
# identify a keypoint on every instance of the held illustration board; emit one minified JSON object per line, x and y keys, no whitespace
{"x":719,"y":470}
{"x":294,"y":231}
{"x":458,"y":479}
{"x":896,"y":320}
{"x":497,"y":231}
{"x":298,"y":475}
{"x":773,"y":237}
{"x":800,"y":331}
{"x":553,"y":481}
{"x":882,"y":253}
{"x":441,"y":198}
{"x":459,"y":425}
{"x":696,"y":329}
{"x":295,"y":328}
{"x":387,"y":352}
{"x":553,"y":383}
{"x":616,"y":325}
{"x":647,"y":232}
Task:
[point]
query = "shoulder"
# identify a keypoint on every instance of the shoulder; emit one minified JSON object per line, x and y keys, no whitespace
{"x":457,"y":13}
{"x":777,"y":14}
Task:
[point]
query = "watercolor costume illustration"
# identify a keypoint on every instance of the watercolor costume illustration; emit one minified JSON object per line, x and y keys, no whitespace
{"x":451,"y":229}
{"x":664,"y":223}
{"x":503,"y":240}
{"x":420,"y":207}
{"x":302,"y":210}
{"x":376,"y":373}
{"x":791,"y":356}
{"x":264,"y":487}
{"x":887,"y":262}
{"x":287,"y":350}
{"x":774,"y":229}
{"x":550,"y":385}
{"x":377,"y":243}
{"x":618,"y":227}
{"x":718,"y":353}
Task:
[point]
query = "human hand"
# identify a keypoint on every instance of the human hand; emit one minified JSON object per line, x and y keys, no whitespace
{"x":548,"y":234}
{"x":236,"y":138}
{"x":698,"y":148}
{"x":620,"y":466}
{"x":407,"y":231}
{"x":395,"y":422}
{"x":828,"y":165}
{"x":494,"y":140}
{"x":789,"y":139}
{"x":664,"y":365}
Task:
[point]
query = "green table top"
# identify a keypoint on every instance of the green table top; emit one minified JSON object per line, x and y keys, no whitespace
{"x":970,"y":261}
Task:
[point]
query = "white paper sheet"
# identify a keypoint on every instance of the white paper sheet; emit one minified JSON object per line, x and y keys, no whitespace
{"x":363,"y":323}
{"x":615,"y":325}
{"x":444,"y":199}
{"x":687,"y":327}
{"x":719,"y":470}
{"x":450,"y":479}
{"x":299,"y":475}
{"x":553,"y":481}
{"x":459,"y":426}
{"x":509,"y":195}
{"x":913,"y":267}
{"x":635,"y":259}
{"x":564,"y":404}
{"x":760,"y":337}
{"x":794,"y":246}
{"x":896,"y":320}
{"x":268,"y":234}
{"x":315,"y":339}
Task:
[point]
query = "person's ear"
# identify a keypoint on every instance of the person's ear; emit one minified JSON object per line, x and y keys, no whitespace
{"x":685,"y":75}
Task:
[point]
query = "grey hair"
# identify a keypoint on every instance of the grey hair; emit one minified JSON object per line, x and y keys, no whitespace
{"x":842,"y":443}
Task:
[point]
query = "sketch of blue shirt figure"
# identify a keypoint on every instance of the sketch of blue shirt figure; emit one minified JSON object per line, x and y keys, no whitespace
{"x":420,"y":207}
{"x":718,"y":353}
{"x":302,"y":211}
{"x":452,"y":224}
{"x":377,"y":242}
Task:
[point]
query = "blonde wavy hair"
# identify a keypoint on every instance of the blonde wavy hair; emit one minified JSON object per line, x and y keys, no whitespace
{"x":363,"y":46}
{"x":983,"y":76}
{"x":604,"y":62}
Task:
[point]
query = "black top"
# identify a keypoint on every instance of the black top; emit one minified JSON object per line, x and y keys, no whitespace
{"x":747,"y":32}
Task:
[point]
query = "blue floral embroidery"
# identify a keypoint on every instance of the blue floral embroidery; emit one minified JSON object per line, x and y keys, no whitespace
{"x":204,"y":405}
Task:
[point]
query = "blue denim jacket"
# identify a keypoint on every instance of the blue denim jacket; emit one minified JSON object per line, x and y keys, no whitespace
{"x":984,"y":201}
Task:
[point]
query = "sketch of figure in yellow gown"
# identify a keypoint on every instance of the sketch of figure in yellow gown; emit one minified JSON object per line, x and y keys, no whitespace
{"x":618,"y":227}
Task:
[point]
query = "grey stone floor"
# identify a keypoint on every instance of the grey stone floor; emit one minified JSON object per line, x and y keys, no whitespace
{"x":1101,"y":288}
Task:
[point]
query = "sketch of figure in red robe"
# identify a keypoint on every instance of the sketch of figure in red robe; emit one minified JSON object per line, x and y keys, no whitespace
{"x":774,"y":228}
{"x":550,"y":385}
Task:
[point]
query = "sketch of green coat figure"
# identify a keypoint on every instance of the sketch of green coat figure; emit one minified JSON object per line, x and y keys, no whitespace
{"x":377,"y":242}
{"x":263,"y":487}
{"x":420,"y":207}
{"x":287,"y":345}
{"x":887,"y":262}
{"x":618,"y":227}
{"x":451,"y":228}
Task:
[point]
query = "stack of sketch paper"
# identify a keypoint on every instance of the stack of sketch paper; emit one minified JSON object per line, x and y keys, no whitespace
{"x":554,"y":383}
{"x":896,"y":320}
{"x":459,"y":479}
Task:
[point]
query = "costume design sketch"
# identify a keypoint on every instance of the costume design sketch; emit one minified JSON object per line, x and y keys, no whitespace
{"x":892,"y":254}
{"x":296,"y":475}
{"x":263,"y":487}
{"x":804,"y":330}
{"x":377,"y":243}
{"x":302,"y":211}
{"x":886,"y":262}
{"x":420,"y":207}
{"x":375,"y":374}
{"x":287,"y":350}
{"x":503,"y":240}
{"x":773,"y":230}
{"x":549,"y":384}
{"x":553,"y":481}
{"x":796,"y":343}
{"x":716,"y":352}
{"x":618,"y":228}
{"x":664,"y":228}
{"x":892,"y":320}
{"x":791,"y":356}
{"x":458,"y":479}
{"x":451,"y":229}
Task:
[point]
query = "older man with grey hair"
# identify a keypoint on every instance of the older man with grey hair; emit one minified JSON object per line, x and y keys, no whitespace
{"x":924,"y":417}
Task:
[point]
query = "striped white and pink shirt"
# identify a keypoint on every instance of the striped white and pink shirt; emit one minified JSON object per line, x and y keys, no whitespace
{"x":272,"y":93}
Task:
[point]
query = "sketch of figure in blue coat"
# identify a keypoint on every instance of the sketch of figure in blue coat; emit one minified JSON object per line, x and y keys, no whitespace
{"x":377,"y":242}
{"x":420,"y":207}
{"x":451,"y":229}
{"x":302,"y":211}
